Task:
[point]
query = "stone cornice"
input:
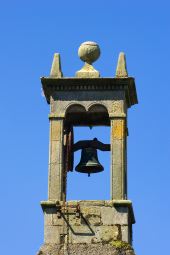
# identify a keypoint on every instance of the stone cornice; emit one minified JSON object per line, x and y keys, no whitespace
{"x":51,"y":85}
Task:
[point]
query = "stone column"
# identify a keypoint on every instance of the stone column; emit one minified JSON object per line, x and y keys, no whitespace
{"x":118,"y":158}
{"x":55,"y":180}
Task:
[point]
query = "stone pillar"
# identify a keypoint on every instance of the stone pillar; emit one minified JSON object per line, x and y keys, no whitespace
{"x":55,"y":181}
{"x":118,"y":158}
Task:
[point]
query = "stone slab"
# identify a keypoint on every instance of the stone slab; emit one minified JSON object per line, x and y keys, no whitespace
{"x":52,"y":234}
{"x":114,"y":216}
{"x":93,"y":234}
{"x":125,"y":232}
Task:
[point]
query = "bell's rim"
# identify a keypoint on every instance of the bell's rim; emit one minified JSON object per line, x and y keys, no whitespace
{"x":89,"y":169}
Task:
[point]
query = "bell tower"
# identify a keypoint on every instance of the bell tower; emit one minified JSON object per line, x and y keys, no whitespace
{"x":88,"y":226}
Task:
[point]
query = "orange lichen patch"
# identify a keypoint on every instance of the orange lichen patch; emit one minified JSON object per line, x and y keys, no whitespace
{"x":118,"y":131}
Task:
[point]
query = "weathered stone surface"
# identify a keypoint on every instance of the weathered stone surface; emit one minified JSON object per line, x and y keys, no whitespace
{"x":84,"y":249}
{"x":121,"y":70}
{"x":114,"y":216}
{"x":87,"y":71}
{"x":74,"y":221}
{"x":93,"y":234}
{"x":71,"y":85}
{"x":118,"y":158}
{"x":92,"y":203}
{"x":91,"y":219}
{"x":109,"y":233}
{"x":89,"y":52}
{"x":81,"y":234}
{"x":109,"y":203}
{"x":48,"y":218}
{"x":56,"y":129}
{"x":125,"y":234}
{"x":55,"y":189}
{"x":102,"y":225}
{"x":91,"y":211}
{"x":57,"y":221}
{"x":99,"y":221}
{"x":52,"y":234}
{"x":63,"y":100}
{"x":118,"y":131}
{"x":118,"y":107}
{"x":56,"y":67}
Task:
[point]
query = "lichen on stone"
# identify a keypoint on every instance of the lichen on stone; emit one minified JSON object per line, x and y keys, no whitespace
{"x":121,"y":245}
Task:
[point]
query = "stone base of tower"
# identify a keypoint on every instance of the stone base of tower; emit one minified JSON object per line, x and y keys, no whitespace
{"x":86,"y":249}
{"x":87,"y":227}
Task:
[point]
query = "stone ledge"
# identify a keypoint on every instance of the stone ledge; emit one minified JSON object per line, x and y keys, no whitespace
{"x":110,"y":203}
{"x":71,"y":205}
{"x":62,"y":116}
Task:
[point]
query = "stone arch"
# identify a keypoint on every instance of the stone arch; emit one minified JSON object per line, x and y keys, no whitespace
{"x":74,"y":113}
{"x":75,"y":107}
{"x":95,"y":115}
{"x":97,"y":107}
{"x":99,"y":114}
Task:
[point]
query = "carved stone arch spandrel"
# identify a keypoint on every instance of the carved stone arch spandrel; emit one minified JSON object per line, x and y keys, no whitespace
{"x":118,"y":109}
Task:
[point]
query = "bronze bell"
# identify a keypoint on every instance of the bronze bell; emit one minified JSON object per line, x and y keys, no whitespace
{"x":89,"y":162}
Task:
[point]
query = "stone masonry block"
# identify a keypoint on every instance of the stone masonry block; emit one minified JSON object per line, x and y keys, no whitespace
{"x":114,"y":216}
{"x":91,"y":215}
{"x":108,"y":233}
{"x":125,"y":234}
{"x":81,"y":234}
{"x":118,"y":130}
{"x":91,"y":219}
{"x":74,"y":221}
{"x":88,"y":211}
{"x":96,"y":224}
{"x":55,"y":130}
{"x":109,"y":203}
{"x":48,"y":216}
{"x":52,"y":234}
{"x":48,"y":221}
{"x":86,"y":234}
{"x":91,"y":203}
{"x":55,"y":152}
{"x":57,"y":221}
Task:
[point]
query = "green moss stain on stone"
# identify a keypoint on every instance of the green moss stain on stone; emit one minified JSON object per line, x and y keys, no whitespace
{"x":120,"y":245}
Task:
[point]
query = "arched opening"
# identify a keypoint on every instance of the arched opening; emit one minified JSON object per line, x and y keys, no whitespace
{"x":95,"y":187}
{"x":96,"y":115}
{"x":79,"y":185}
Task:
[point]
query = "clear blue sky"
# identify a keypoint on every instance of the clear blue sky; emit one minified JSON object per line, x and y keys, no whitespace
{"x":31,"y":31}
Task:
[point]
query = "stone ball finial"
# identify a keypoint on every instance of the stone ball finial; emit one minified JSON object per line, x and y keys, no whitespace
{"x":89,"y":52}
